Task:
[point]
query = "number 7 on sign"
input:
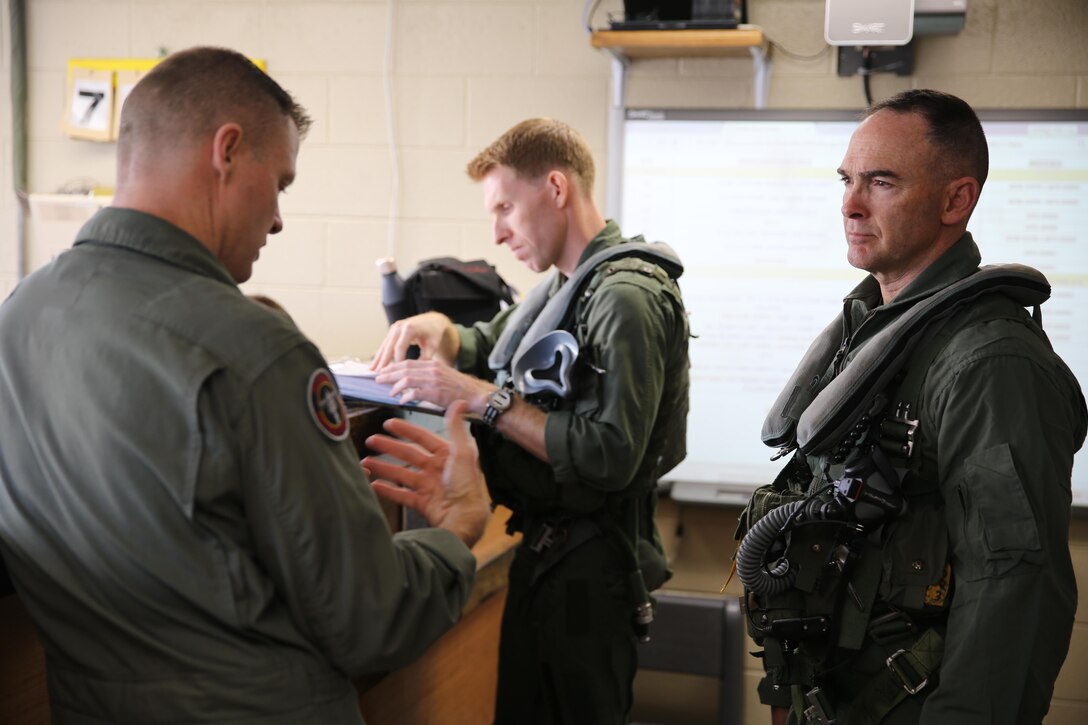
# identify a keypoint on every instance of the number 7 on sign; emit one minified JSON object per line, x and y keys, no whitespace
{"x":91,"y":108}
{"x":96,"y":98}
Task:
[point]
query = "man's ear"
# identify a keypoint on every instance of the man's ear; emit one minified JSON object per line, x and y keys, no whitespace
{"x":558,"y":185}
{"x":225,"y":147}
{"x":961,"y":195}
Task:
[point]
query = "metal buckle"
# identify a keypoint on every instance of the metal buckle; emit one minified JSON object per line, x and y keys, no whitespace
{"x":904,"y":438}
{"x":788,"y":448}
{"x":899,"y":671}
{"x":546,"y":537}
{"x":819,"y":710}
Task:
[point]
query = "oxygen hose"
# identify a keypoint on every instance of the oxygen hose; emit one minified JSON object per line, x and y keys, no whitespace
{"x":754,"y":547}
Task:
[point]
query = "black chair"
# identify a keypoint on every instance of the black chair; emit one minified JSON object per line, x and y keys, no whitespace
{"x":699,"y":635}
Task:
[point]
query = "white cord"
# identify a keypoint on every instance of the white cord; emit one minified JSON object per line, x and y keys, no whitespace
{"x":587,"y":14}
{"x":391,"y":136}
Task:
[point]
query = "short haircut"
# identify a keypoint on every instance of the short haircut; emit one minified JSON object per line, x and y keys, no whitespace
{"x":192,"y":92}
{"x":534,"y":147}
{"x":954,"y":130}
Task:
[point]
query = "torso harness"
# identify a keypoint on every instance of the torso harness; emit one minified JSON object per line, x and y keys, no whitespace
{"x":811,"y":560}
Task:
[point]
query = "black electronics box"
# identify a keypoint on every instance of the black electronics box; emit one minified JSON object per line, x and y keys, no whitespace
{"x":680,"y":15}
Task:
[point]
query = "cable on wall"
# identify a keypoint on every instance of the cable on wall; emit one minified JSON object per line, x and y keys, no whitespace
{"x":17,"y":28}
{"x":391,"y":133}
{"x":779,"y":48}
{"x":866,"y":71}
{"x":587,"y":14}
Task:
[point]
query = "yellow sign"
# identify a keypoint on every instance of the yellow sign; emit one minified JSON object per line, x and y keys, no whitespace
{"x":97,"y":88}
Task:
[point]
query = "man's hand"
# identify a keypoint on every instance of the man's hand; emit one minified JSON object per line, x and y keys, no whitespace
{"x":435,"y":382}
{"x":441,"y":477}
{"x":433,"y":332}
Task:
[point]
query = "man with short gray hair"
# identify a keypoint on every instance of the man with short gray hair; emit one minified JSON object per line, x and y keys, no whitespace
{"x":911,"y":563}
{"x":181,"y":507}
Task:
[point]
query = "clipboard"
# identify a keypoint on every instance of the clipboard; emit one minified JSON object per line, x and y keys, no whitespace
{"x":357,"y":384}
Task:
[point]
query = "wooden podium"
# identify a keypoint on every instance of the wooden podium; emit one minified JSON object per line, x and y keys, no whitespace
{"x":454,"y":681}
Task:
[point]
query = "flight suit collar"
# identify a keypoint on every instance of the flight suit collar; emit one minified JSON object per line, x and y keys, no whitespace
{"x":961,"y":259}
{"x":865,"y":301}
{"x":153,"y":236}
{"x":609,"y":236}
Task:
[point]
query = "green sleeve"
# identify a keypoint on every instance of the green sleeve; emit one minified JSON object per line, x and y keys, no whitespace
{"x":631,"y":327}
{"x":478,"y":341}
{"x":1007,"y":422}
{"x":366,"y":600}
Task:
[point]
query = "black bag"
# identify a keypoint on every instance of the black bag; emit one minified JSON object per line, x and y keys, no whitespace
{"x":466,"y":292}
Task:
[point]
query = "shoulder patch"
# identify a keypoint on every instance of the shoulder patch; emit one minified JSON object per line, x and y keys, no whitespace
{"x":326,"y":405}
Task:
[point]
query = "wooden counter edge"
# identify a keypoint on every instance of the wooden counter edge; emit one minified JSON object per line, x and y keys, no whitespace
{"x":494,"y":552}
{"x":455,"y":679}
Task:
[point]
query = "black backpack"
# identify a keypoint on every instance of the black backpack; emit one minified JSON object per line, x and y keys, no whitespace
{"x":466,"y":292}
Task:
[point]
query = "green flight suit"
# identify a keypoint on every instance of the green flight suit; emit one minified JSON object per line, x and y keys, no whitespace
{"x":567,"y":652}
{"x":1000,"y":417}
{"x":195,"y":540}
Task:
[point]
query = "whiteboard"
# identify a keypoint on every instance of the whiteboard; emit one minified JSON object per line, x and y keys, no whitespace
{"x":750,"y":200}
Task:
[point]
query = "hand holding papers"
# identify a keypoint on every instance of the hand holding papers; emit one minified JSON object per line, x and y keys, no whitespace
{"x":436,"y":382}
{"x":356,"y":382}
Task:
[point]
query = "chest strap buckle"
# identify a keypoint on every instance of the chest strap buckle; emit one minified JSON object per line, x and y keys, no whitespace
{"x":907,"y":671}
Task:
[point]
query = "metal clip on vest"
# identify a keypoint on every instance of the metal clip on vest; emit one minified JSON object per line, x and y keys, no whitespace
{"x":900,"y":665}
{"x":897,"y":432}
{"x":546,"y":536}
{"x":819,"y":709}
{"x":644,"y":617}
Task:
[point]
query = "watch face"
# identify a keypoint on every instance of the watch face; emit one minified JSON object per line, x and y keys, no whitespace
{"x":497,"y":403}
{"x":500,"y":399}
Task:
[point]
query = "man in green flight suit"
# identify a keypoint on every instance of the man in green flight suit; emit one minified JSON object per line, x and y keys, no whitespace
{"x":578,"y":463}
{"x":181,"y":508}
{"x":924,"y":575}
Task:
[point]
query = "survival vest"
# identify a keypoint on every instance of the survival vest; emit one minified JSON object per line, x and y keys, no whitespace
{"x":812,"y":591}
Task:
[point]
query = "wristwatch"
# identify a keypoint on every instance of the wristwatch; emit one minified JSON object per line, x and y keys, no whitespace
{"x":497,"y":404}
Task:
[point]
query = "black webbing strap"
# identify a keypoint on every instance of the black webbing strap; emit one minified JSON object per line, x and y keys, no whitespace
{"x":907,"y":673}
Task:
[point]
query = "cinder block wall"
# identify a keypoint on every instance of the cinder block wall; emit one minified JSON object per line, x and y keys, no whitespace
{"x":451,"y":75}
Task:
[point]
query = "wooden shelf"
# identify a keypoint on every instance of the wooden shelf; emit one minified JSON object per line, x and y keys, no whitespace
{"x":636,"y":44}
{"x":627,"y":46}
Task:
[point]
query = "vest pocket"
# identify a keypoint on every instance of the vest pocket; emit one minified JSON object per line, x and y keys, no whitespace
{"x":915,"y":557}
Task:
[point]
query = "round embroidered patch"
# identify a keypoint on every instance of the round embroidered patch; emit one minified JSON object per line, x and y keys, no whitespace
{"x":326,"y":406}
